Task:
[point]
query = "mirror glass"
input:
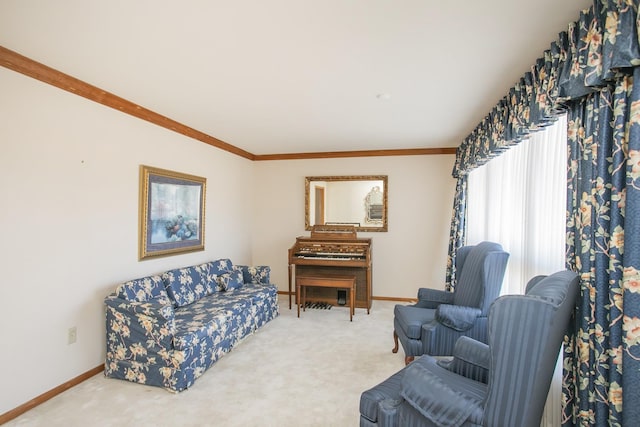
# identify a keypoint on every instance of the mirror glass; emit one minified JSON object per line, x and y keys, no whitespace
{"x":347,"y":200}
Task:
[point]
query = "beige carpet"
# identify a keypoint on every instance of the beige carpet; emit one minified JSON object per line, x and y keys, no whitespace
{"x":292,"y":372}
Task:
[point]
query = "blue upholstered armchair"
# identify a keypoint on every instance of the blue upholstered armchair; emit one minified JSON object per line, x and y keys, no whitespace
{"x":434,"y":324}
{"x":502,"y":383}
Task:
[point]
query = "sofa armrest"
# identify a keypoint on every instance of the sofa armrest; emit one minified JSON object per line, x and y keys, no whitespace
{"x":256,"y":274}
{"x":471,"y":359}
{"x":457,"y":317}
{"x":432,"y":298}
{"x":158,"y":307}
{"x":150,"y":324}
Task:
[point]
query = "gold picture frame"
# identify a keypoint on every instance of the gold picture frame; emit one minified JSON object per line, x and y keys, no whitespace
{"x":172,"y":212}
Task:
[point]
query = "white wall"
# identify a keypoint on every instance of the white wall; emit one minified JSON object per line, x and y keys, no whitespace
{"x":411,"y":254}
{"x":69,"y":215}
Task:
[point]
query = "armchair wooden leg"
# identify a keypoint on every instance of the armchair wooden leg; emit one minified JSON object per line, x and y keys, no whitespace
{"x":407,"y":359}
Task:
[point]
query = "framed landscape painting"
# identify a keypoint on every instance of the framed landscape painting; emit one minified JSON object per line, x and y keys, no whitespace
{"x":171,"y":212}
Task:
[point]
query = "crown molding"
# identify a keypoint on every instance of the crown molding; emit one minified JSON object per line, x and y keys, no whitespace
{"x":360,"y":153}
{"x":23,"y":65}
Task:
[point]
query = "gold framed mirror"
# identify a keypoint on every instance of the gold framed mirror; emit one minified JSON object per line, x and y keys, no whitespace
{"x":358,"y":200}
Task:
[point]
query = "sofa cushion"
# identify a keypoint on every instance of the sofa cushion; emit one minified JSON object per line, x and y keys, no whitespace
{"x":187,"y":285}
{"x":219,"y":315}
{"x":221,"y":266}
{"x":256,"y":293}
{"x":231,"y":280}
{"x":141,"y":290}
{"x":209,"y":278}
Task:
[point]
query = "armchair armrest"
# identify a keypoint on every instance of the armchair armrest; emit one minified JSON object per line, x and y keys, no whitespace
{"x":457,"y":317}
{"x":432,"y":298}
{"x":431,"y":394}
{"x":471,"y":359}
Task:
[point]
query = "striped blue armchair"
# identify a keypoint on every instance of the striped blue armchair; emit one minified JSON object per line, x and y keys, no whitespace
{"x":434,"y":324}
{"x":502,"y":383}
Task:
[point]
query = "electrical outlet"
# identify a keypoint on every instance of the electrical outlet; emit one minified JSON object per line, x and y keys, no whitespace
{"x":72,"y":335}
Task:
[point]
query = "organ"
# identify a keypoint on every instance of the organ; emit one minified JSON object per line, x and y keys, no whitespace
{"x":332,"y":250}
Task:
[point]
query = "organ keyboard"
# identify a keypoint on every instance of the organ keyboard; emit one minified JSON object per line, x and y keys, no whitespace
{"x":332,"y":250}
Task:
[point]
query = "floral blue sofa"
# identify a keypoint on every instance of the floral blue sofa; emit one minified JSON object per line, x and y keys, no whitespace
{"x":166,"y":330}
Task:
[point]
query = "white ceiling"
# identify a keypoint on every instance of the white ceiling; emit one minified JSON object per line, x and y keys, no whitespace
{"x":296,"y":76}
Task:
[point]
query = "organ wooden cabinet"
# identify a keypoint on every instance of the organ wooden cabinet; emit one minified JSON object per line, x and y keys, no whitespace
{"x":332,"y":250}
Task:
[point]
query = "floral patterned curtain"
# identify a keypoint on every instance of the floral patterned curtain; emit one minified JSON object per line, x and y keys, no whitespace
{"x":590,"y":72}
{"x":456,"y":238}
{"x":603,"y":353}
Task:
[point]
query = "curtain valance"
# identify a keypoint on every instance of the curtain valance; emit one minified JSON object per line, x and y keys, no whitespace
{"x":591,"y":53}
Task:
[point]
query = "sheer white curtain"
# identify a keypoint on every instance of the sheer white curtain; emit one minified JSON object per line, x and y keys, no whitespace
{"x":519,"y":200}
